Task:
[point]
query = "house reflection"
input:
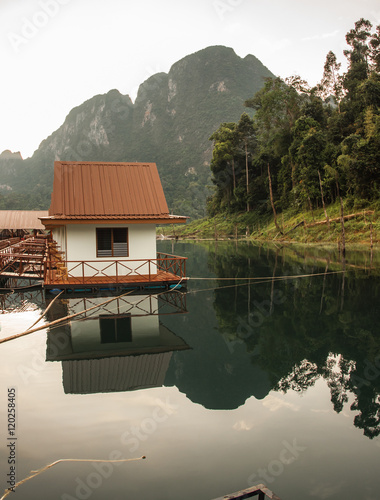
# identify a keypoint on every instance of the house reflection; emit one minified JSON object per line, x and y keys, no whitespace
{"x":114,"y":346}
{"x":29,"y":297}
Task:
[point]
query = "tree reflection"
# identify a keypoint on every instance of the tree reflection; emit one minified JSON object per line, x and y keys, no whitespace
{"x":301,"y":378}
{"x":324,"y":327}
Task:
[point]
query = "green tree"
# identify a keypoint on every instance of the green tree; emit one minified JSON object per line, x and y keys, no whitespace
{"x":222,"y":165}
{"x":332,"y":81}
{"x":247,"y":138}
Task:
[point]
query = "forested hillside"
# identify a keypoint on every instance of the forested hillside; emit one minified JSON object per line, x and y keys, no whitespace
{"x":169,"y":123}
{"x":306,"y":147}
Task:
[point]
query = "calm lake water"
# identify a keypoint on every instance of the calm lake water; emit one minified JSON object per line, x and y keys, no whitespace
{"x":270,"y":377}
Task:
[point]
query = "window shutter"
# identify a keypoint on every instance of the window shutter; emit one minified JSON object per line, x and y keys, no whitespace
{"x":104,"y":241}
{"x":112,"y":242}
{"x":120,"y":242}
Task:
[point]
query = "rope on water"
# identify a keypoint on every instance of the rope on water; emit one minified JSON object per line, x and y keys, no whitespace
{"x":35,"y":473}
{"x":254,"y":281}
{"x":215,"y":278}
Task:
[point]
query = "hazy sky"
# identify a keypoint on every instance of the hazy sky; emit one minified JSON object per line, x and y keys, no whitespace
{"x":56,"y":54}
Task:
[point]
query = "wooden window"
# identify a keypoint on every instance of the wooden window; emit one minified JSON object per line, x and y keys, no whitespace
{"x":115,"y":328}
{"x":112,"y":242}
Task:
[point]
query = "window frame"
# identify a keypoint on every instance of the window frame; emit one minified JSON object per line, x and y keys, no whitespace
{"x":112,"y":242}
{"x":121,"y":325}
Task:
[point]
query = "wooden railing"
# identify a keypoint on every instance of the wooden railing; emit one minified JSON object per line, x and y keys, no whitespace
{"x":172,"y":264}
{"x":115,"y":271}
{"x":163,"y":304}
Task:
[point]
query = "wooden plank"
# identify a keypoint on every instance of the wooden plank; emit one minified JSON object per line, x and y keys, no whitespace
{"x":26,"y":257}
{"x":159,"y":278}
{"x":7,"y":274}
{"x":259,"y":490}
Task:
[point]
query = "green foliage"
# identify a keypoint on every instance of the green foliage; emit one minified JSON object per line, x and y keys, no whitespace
{"x":332,"y":130}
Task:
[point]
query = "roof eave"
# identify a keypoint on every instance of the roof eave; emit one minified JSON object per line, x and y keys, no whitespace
{"x":63,"y":221}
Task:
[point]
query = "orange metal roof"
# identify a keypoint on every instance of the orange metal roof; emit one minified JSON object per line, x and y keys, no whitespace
{"x":97,"y":190}
{"x":21,"y":219}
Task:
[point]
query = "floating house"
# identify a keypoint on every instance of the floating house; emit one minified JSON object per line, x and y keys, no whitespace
{"x":103,"y":219}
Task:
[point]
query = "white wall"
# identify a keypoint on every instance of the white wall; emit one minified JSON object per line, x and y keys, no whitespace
{"x":81,"y":246}
{"x":59,"y":235}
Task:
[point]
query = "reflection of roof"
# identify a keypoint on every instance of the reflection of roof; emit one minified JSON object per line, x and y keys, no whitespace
{"x":97,"y":190}
{"x":21,"y":219}
{"x":115,"y":374}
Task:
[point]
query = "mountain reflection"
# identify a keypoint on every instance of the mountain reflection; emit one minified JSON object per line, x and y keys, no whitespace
{"x":270,"y":333}
{"x":299,"y":330}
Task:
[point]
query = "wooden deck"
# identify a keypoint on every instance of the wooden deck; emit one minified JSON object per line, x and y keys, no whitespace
{"x":163,"y":271}
{"x":162,"y":279}
{"x":40,"y":259}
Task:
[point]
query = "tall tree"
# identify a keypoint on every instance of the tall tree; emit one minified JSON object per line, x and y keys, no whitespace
{"x":247,"y":137}
{"x":277,"y":107}
{"x":332,"y":80}
{"x":375,"y":50}
{"x":357,"y":39}
{"x":358,"y":56}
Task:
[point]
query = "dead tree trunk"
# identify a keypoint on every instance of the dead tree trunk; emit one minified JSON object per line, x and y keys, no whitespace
{"x":272,"y":202}
{"x":233,"y":174}
{"x":323,"y":200}
{"x":247,"y":173}
{"x":341,"y":218}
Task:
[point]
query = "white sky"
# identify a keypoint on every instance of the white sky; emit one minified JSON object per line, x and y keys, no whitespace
{"x":55,"y":54}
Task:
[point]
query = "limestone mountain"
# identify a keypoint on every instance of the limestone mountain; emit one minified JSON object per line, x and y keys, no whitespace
{"x":170,"y":123}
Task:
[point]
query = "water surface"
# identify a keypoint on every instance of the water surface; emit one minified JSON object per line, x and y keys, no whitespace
{"x":265,"y":377}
